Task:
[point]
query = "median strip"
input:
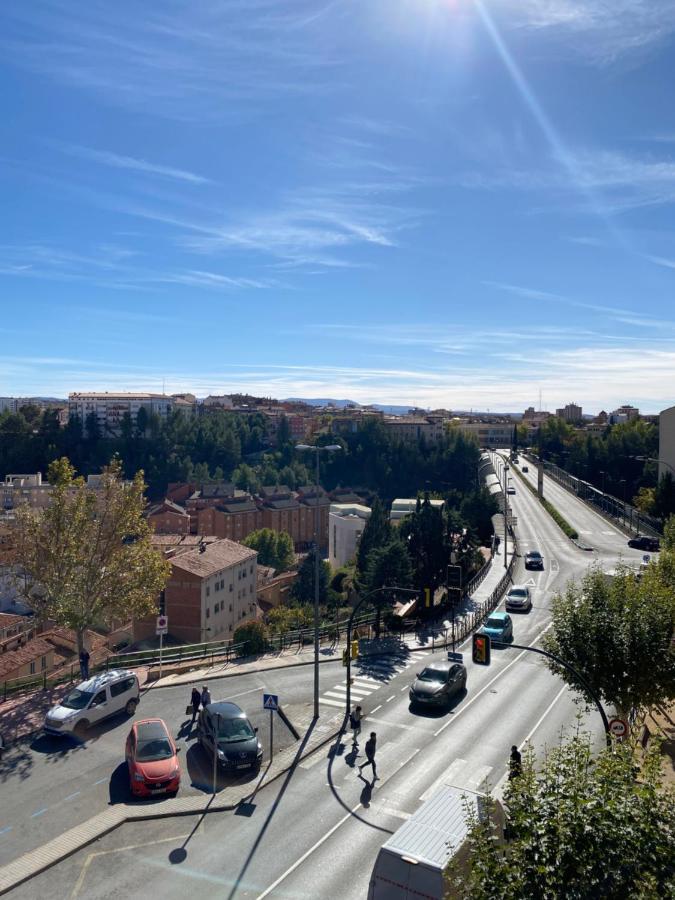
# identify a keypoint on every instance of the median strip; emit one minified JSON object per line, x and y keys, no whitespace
{"x":560,"y":520}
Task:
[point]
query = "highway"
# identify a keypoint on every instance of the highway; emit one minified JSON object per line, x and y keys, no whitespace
{"x":316,"y":832}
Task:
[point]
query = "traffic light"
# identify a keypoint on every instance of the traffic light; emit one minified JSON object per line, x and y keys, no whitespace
{"x":481,"y":649}
{"x":427,"y":597}
{"x":345,"y":657}
{"x":355,"y":649}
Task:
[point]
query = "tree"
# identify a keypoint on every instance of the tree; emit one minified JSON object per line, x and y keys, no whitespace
{"x":377,"y":533}
{"x":302,"y":590}
{"x":581,"y":826}
{"x":388,"y":566}
{"x":275,"y":548}
{"x":88,"y":554}
{"x":252,"y":634}
{"x":664,"y":496}
{"x":618,"y":634}
{"x":424,"y":535}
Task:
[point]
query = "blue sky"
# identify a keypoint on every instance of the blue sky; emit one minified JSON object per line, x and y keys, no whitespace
{"x":454,"y":203}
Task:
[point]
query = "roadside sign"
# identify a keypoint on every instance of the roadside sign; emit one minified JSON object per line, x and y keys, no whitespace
{"x":271,"y":701}
{"x":645,"y":558}
{"x":512,"y":520}
{"x":618,"y":728}
{"x":162,"y":626}
{"x":455,"y":657}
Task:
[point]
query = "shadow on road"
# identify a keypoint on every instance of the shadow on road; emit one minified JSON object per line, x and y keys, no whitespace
{"x":56,"y":748}
{"x":16,"y":762}
{"x":383,"y":666}
{"x":199,"y":765}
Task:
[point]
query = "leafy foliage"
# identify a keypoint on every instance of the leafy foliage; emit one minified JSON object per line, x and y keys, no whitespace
{"x":89,"y":553}
{"x":618,"y":634}
{"x":302,"y":590}
{"x":252,"y":634}
{"x":275,"y":548}
{"x":581,"y":826}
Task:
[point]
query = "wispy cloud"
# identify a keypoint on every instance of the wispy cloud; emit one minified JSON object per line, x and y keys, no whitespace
{"x":107,"y":158}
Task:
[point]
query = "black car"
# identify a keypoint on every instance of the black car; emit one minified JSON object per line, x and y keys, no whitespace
{"x":534,"y":560}
{"x":436,"y":684}
{"x":642,"y":542}
{"x":224,"y":729}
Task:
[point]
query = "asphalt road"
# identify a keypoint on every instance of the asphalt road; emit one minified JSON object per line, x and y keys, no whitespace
{"x":316,"y":833}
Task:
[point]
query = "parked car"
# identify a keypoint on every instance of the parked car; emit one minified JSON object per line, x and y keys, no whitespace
{"x":534,"y":560}
{"x":642,"y":542}
{"x":498,"y":627}
{"x":152,"y":759}
{"x":224,"y":729}
{"x":437,"y":683}
{"x":94,"y":700}
{"x":519,"y":599}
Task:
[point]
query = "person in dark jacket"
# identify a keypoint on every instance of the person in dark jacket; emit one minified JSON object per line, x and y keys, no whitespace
{"x":195,"y":700}
{"x":515,"y":763}
{"x":371,"y":746}
{"x":84,"y":664}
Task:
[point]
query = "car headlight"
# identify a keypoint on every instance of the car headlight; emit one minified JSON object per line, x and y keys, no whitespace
{"x":175,"y":773}
{"x":221,"y":754}
{"x":138,"y":777}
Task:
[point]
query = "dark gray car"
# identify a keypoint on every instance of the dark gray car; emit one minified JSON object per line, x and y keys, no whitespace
{"x":224,"y":729}
{"x":436,"y":684}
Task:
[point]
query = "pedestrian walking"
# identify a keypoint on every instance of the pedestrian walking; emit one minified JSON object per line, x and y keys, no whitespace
{"x":195,"y":700}
{"x":371,"y":745}
{"x":355,"y":721}
{"x":206,"y":696}
{"x":515,"y":763}
{"x":84,"y":664}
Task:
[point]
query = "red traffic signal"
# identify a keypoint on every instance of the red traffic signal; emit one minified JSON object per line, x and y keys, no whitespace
{"x":481,"y":649}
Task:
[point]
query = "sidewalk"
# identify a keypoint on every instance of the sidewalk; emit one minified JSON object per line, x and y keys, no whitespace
{"x":31,"y":864}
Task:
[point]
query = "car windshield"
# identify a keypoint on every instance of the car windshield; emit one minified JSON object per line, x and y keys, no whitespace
{"x":432,"y":675}
{"x":518,"y":592}
{"x":154,"y":749}
{"x":77,"y":699}
{"x":495,"y":623}
{"x":534,"y":554}
{"x":232,"y":730}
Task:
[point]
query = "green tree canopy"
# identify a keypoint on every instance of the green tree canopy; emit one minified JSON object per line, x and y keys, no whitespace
{"x":581,"y":826}
{"x":253,"y":635}
{"x":618,"y":633}
{"x":302,"y":590}
{"x":376,"y":534}
{"x":275,"y":548}
{"x":88,"y":553}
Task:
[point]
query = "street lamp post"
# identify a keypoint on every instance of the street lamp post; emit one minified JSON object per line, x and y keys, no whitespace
{"x":317,"y":563}
{"x":506,"y":510}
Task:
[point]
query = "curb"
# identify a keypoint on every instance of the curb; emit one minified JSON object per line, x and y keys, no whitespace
{"x":71,"y":841}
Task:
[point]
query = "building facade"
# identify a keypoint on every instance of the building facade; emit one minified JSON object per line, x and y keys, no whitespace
{"x":570,"y":413}
{"x":667,"y":441}
{"x":346,"y":522}
{"x":110,"y":409}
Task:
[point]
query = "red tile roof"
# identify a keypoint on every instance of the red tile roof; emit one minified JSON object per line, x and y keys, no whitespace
{"x":14,"y":660}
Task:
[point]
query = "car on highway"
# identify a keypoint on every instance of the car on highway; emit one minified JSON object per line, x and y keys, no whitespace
{"x":525,"y":469}
{"x":438,"y":683}
{"x":152,"y":759}
{"x":643,"y":542}
{"x":94,"y":700}
{"x":510,"y":489}
{"x":224,"y":730}
{"x":498,"y":627}
{"x":534,"y":560}
{"x":519,"y":599}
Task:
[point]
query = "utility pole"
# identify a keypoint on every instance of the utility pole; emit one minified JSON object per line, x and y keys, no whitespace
{"x":506,"y":510}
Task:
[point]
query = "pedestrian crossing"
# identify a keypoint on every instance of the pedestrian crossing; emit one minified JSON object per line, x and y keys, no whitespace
{"x":370,"y":677}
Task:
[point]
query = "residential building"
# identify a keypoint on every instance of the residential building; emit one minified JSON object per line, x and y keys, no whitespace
{"x":12,"y":624}
{"x":210,"y":591}
{"x":273,"y":590}
{"x":570,"y":413}
{"x":33,"y":657}
{"x":346,"y":522}
{"x":490,"y":435}
{"x":234,"y":518}
{"x":168,"y":517}
{"x":401,"y":508}
{"x":667,"y":441}
{"x":624,"y":413}
{"x":217,"y":401}
{"x":26,"y":488}
{"x":9,"y":404}
{"x":110,"y":408}
{"x":413,"y":429}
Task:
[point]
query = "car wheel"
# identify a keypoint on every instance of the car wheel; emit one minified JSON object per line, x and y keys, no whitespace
{"x":130,"y":708}
{"x":81,"y":728}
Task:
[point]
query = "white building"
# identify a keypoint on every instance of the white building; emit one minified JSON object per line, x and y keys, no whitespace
{"x":667,"y":441}
{"x":401,"y":508}
{"x":110,"y":409}
{"x":8,"y":404}
{"x":490,"y":435}
{"x":222,"y":401}
{"x":346,"y":522}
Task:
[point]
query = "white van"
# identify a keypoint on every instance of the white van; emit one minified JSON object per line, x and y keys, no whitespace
{"x":93,"y":701}
{"x":411,"y":863}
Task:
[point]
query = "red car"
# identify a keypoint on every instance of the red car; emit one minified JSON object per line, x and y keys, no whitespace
{"x":152,"y":758}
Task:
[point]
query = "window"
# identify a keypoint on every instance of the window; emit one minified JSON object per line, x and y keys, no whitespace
{"x":32,"y":668}
{"x":250,"y":590}
{"x":231,"y":588}
{"x":222,"y":583}
{"x":44,"y":663}
{"x":121,"y":687}
{"x":230,"y":607}
{"x":217,"y":585}
{"x":208,"y":612}
{"x":98,"y":699}
{"x":208,"y":591}
{"x":251,"y":569}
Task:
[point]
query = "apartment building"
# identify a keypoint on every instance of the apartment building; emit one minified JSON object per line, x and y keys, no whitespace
{"x":402,"y":507}
{"x":346,"y":522}
{"x":667,"y":441}
{"x":412,"y":429}
{"x":490,"y":435}
{"x":211,"y":590}
{"x":25,"y":488}
{"x":570,"y":413}
{"x":234,"y":518}
{"x":110,"y":409}
{"x":168,"y":517}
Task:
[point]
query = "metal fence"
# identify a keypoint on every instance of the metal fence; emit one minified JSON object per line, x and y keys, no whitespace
{"x":618,"y":511}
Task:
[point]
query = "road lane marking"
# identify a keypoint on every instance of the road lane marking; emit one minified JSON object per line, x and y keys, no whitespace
{"x":376,"y":709}
{"x":250,"y":691}
{"x":332,"y":702}
{"x":492,"y":681}
{"x":545,"y":713}
{"x":70,"y":796}
{"x":100,"y":781}
{"x":39,"y":812}
{"x":6,"y":829}
{"x":391,"y":724}
{"x":447,"y":777}
{"x":389,"y":699}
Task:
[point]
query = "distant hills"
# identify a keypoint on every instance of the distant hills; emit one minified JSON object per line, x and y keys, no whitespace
{"x":341,"y":404}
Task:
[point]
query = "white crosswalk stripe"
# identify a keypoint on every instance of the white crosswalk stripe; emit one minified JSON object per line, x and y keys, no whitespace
{"x":332,"y":702}
{"x":372,"y":677}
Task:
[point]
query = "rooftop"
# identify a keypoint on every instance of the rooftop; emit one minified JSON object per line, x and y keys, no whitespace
{"x":15,"y":659}
{"x":219,"y":555}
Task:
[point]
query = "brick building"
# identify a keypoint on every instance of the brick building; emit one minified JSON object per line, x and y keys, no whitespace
{"x":168,"y":517}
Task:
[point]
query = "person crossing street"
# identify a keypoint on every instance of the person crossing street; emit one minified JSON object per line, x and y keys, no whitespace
{"x":371,"y":746}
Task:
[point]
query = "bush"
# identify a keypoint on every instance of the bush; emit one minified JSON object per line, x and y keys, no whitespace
{"x":253,"y":635}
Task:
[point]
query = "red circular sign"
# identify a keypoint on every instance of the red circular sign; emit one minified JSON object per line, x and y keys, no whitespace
{"x":618,"y":727}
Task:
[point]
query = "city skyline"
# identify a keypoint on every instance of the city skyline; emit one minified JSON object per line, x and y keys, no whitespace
{"x":431,"y":203}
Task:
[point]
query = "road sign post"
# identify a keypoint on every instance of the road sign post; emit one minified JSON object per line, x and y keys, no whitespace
{"x":161,"y":628}
{"x":271,"y":702}
{"x":619,"y":728}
